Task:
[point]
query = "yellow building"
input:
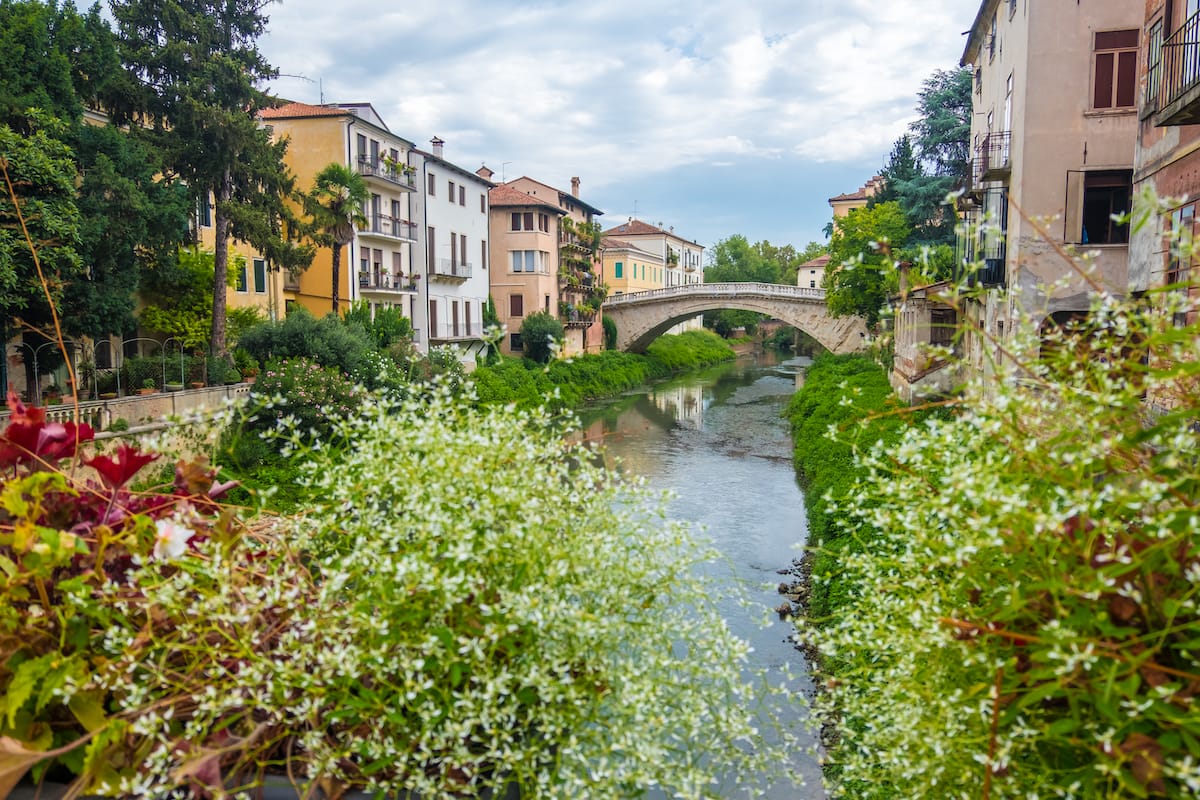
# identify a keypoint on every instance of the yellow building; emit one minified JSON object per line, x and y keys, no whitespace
{"x":378,"y":265}
{"x":628,"y":268}
{"x":843,"y":204}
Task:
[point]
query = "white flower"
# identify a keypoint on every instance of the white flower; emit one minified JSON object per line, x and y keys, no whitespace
{"x":171,"y":539}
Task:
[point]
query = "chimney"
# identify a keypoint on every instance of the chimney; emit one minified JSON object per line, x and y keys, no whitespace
{"x":437,"y":147}
{"x":484,"y":172}
{"x":575,"y":187}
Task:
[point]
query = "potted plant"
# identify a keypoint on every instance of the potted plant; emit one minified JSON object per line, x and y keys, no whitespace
{"x":148,"y":387}
{"x":53,"y":394}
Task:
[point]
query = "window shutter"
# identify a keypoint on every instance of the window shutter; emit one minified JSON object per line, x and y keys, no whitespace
{"x":1127,"y":78}
{"x":1104,"y":81}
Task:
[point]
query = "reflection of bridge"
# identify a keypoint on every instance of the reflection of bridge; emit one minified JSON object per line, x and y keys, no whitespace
{"x":642,"y":317}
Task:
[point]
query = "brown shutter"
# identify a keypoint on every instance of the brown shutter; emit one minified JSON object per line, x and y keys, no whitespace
{"x":1104,"y":81}
{"x":1127,"y":79}
{"x":516,"y":305}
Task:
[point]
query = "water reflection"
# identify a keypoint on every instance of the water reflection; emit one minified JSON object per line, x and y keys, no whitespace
{"x":717,"y":440}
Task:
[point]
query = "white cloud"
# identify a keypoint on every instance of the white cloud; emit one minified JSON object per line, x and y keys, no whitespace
{"x":620,"y":90}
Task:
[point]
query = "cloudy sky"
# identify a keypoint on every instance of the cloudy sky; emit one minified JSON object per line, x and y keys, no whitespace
{"x":717,"y":117}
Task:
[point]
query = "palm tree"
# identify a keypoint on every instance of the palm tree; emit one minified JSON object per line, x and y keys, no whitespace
{"x":334,"y":207}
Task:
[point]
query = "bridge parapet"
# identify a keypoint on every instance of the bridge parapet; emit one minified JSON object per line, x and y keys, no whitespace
{"x":705,"y":290}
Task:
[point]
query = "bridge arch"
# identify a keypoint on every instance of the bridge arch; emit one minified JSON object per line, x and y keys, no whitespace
{"x":642,"y":317}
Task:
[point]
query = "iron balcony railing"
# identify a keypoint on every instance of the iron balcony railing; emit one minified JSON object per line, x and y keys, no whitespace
{"x":394,"y":227}
{"x":386,"y":282}
{"x":378,"y":168}
{"x":993,"y":158}
{"x":454,"y":270}
{"x":1180,"y":72}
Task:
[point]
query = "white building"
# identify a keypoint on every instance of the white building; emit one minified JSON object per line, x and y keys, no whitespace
{"x":451,"y":207}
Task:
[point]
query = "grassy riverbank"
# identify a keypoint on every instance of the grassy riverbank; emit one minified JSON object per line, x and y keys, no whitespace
{"x":567,"y":383}
{"x":851,"y":393}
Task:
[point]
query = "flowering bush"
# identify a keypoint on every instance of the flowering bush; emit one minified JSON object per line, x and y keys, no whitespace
{"x":314,"y":396}
{"x":472,"y":603}
{"x":1019,"y":615}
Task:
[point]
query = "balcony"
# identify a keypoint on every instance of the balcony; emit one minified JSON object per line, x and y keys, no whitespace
{"x":446,"y":270}
{"x":391,"y":228}
{"x":993,"y":158}
{"x":577,"y":281}
{"x":378,"y":169}
{"x":1176,"y":98}
{"x":386,"y":282}
{"x":575,"y":318}
{"x":454,"y":332}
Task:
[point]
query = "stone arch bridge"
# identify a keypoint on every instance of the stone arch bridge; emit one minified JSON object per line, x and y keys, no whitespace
{"x":642,"y":317}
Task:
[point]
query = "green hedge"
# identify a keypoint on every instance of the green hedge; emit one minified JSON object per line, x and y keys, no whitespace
{"x":567,"y":383}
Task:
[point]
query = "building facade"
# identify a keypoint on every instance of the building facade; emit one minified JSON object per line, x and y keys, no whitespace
{"x":453,"y":213}
{"x":1053,"y":128}
{"x":379,"y":265}
{"x":683,"y":259}
{"x":1167,"y":156}
{"x":549,"y":243}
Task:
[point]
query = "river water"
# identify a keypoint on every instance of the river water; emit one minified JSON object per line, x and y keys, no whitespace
{"x":717,"y":440}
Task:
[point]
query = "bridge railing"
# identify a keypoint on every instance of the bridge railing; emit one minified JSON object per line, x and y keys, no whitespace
{"x":718,"y":290}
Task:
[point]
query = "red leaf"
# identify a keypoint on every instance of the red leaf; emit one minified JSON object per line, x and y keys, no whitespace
{"x":118,"y":471}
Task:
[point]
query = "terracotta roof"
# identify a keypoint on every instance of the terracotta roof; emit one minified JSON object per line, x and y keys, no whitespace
{"x":635,"y":227}
{"x":504,"y":195}
{"x":817,"y":263}
{"x":864,"y":192}
{"x":294,"y":110}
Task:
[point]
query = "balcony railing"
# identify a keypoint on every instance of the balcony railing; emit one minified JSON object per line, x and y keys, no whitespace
{"x":378,"y":168}
{"x":993,"y":158}
{"x":578,"y":319}
{"x":1178,"y":96}
{"x":386,"y":282}
{"x":577,"y":281}
{"x":383,"y":225}
{"x":450,"y":270}
{"x":452,"y":332}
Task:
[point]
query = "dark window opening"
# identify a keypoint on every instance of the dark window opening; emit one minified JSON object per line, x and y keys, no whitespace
{"x":1106,"y":195}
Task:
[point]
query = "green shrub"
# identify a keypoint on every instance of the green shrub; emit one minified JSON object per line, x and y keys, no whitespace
{"x":610,"y":332}
{"x":316,"y":397}
{"x":136,"y":370}
{"x":327,"y":341}
{"x":542,"y":337}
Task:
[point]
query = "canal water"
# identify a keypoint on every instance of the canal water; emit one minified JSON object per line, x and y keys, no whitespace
{"x":717,"y":440}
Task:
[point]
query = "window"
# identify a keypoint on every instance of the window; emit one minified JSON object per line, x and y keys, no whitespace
{"x":361,"y":147}
{"x":546,"y":304}
{"x":544,"y":223}
{"x":450,"y":186}
{"x":1115,"y":69}
{"x":483,"y":254}
{"x":1179,"y":266}
{"x":522,"y":221}
{"x":462,"y":196}
{"x":453,"y":250}
{"x":433,"y":331}
{"x":454,"y":317}
{"x":241,"y":277}
{"x":482,"y":203}
{"x":467,"y":315}
{"x":432,"y":185}
{"x":618,"y":270}
{"x":1154,"y":52}
{"x":462,"y":247}
{"x":942,"y":325}
{"x":260,"y":276}
{"x":514,"y":342}
{"x":516,"y":305}
{"x":991,"y":44}
{"x":979,"y":81}
{"x":1105,"y":194}
{"x":529,"y":261}
{"x":205,"y":212}
{"x":431,"y":244}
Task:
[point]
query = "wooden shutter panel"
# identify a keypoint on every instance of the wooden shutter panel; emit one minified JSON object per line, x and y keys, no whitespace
{"x":1127,"y":79}
{"x":1104,"y":81}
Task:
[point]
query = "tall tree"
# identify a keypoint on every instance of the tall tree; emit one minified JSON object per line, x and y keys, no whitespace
{"x":335,"y":208}
{"x":735,"y":260}
{"x":196,"y":70}
{"x":925,"y":167}
{"x":864,"y":245}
